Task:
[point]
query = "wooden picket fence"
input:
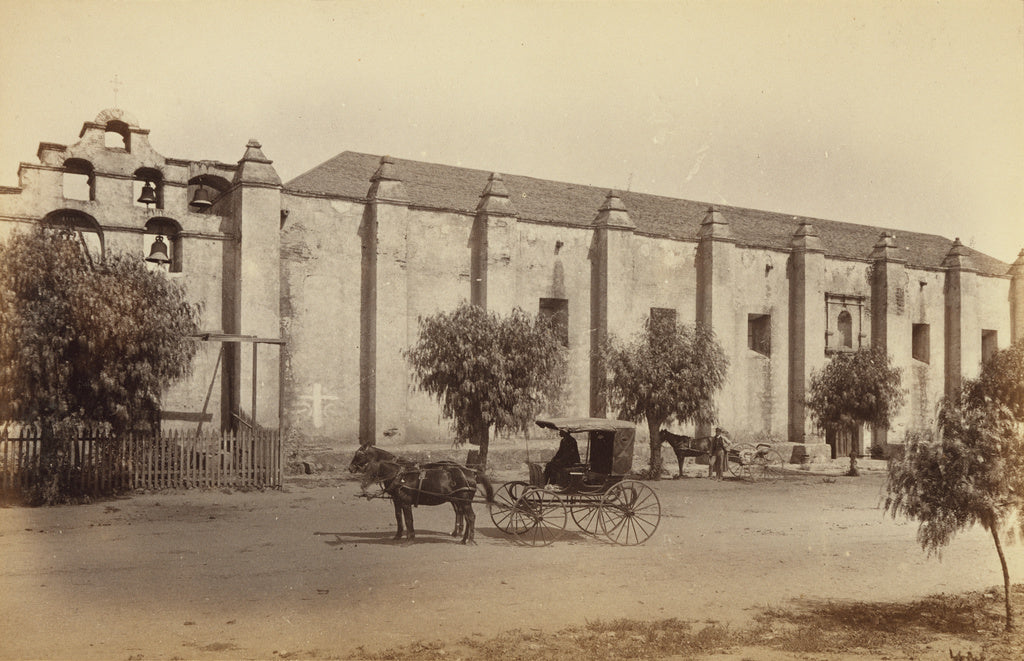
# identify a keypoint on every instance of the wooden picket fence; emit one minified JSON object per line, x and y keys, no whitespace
{"x":96,"y":463}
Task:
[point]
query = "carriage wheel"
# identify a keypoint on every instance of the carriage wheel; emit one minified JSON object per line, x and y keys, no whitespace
{"x":740,"y":458}
{"x":544,"y":514}
{"x":766,"y":464}
{"x":587,"y":516}
{"x":629,"y":513}
{"x":504,"y":512}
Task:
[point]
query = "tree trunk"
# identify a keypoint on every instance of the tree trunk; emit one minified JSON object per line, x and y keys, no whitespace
{"x":483,"y":436}
{"x":654,"y":429}
{"x":1006,"y":575}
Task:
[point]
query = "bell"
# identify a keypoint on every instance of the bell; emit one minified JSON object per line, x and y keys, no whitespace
{"x":201,"y":200}
{"x":158,"y":253}
{"x":148,"y":195}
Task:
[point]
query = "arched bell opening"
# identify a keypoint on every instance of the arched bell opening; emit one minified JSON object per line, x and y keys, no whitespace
{"x":162,"y":245}
{"x":205,"y":190}
{"x":78,"y":181}
{"x":148,"y":188}
{"x":117,"y":136}
{"x":82,"y":227}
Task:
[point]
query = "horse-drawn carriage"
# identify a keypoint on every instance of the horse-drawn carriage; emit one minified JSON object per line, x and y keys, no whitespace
{"x":592,"y":492}
{"x":750,"y":461}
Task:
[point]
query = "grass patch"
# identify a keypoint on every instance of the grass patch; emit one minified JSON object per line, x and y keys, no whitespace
{"x":870,"y":629}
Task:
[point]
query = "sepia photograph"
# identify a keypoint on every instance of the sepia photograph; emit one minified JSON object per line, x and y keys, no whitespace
{"x":533,"y":329}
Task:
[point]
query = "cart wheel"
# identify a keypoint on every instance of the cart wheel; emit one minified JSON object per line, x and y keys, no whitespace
{"x":543,"y":514}
{"x":740,"y":459}
{"x":766,"y":464}
{"x":587,"y":516}
{"x":504,"y":513}
{"x":629,"y":513}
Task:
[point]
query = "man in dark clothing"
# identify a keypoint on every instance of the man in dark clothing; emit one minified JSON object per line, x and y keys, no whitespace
{"x":719,"y":452}
{"x":568,"y":455}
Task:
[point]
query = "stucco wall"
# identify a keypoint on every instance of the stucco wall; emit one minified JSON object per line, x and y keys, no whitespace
{"x":320,"y":284}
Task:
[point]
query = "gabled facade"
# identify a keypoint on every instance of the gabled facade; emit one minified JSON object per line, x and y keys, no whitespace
{"x":340,"y":262}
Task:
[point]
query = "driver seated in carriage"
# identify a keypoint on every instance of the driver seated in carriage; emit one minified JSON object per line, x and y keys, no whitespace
{"x":556,"y":471}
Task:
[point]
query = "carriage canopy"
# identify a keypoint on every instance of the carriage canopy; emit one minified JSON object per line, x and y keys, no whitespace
{"x":609,"y":442}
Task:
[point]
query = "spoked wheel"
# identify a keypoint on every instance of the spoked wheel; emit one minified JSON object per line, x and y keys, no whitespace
{"x":544,"y":514}
{"x":766,"y":464}
{"x":586,"y":514}
{"x":504,"y":512}
{"x":740,"y":459}
{"x":629,"y":513}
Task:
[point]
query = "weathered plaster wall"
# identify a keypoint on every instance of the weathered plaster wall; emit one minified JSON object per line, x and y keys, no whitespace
{"x":439,"y":256}
{"x":320,"y":279}
{"x":923,"y":376}
{"x":549,"y":270}
{"x":754,"y":404}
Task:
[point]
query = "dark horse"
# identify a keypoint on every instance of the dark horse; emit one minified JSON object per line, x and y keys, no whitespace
{"x":368,"y":453}
{"x":430,"y":484}
{"x":686,"y":446}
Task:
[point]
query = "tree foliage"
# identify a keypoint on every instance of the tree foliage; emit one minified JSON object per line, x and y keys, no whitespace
{"x":970,"y":471}
{"x":856,"y":388}
{"x":665,"y":373}
{"x":1001,"y":381}
{"x":83,"y":343}
{"x":487,"y":370}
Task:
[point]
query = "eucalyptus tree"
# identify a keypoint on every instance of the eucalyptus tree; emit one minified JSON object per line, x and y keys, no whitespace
{"x":969,"y":471}
{"x":665,"y":373}
{"x":487,"y":370}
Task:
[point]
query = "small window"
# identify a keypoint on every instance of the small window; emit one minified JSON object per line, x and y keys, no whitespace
{"x":555,"y":311}
{"x":921,"y":343}
{"x":759,"y":333}
{"x":989,"y":344}
{"x":663,"y":321}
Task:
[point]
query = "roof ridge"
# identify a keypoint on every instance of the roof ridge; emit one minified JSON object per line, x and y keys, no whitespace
{"x":453,"y":188}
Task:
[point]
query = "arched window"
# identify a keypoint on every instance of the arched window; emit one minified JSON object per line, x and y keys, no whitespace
{"x":844,"y":324}
{"x":155,"y":180}
{"x":83,"y":226}
{"x":165,"y":234}
{"x":79,"y":181}
{"x":117,"y":136}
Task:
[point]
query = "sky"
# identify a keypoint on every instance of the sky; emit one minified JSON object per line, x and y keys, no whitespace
{"x":907,"y":115}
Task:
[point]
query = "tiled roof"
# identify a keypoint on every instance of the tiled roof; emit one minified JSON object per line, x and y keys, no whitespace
{"x":447,"y":187}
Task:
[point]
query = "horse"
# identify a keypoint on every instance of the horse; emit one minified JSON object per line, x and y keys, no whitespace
{"x":368,"y":453}
{"x":687,"y":446}
{"x":444,"y":482}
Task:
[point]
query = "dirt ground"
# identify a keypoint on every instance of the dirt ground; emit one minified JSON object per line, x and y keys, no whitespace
{"x":311,"y":571}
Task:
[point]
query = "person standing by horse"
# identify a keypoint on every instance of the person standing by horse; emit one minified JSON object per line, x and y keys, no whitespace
{"x":720,"y":445}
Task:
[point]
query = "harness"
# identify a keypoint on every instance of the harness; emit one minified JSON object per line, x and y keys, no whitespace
{"x":419,"y":490}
